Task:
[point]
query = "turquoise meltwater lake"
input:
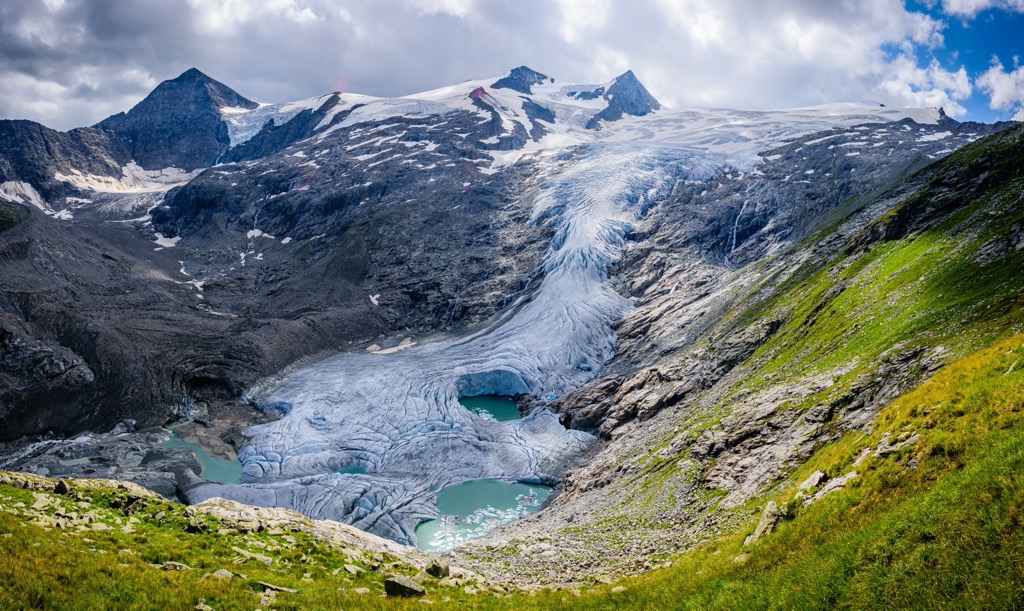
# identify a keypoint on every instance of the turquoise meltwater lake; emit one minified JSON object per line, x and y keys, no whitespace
{"x":492,"y":407}
{"x":215,"y":469}
{"x":469,"y":510}
{"x":355,"y":469}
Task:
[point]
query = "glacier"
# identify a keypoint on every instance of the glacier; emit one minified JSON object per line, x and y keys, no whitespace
{"x":397,"y":414}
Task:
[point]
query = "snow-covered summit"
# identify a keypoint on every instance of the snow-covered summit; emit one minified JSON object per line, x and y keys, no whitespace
{"x":556,"y":114}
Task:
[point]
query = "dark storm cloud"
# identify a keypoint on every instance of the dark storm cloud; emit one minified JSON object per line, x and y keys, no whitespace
{"x":73,"y":63}
{"x":76,"y":62}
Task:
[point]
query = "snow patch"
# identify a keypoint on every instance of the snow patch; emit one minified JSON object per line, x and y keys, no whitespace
{"x":370,"y":155}
{"x":134,"y":179}
{"x":24,"y":193}
{"x":244,"y":123}
{"x":258,"y":233}
{"x":167,"y":242}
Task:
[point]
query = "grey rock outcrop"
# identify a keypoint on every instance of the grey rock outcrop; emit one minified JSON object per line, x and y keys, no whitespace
{"x":769,"y":518}
{"x":812,"y":481}
{"x":439,"y":568}
{"x":521,"y":79}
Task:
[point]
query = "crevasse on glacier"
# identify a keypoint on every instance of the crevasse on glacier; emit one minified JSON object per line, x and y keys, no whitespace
{"x":398,"y":414}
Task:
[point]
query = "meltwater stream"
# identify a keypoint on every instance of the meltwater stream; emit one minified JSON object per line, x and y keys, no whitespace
{"x":371,"y":439}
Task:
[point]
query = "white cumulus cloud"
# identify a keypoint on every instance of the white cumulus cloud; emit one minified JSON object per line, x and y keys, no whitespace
{"x":1005,"y":88}
{"x":970,"y":8}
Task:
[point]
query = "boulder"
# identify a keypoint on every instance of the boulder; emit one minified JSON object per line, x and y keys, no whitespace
{"x":271,"y":587}
{"x":402,"y":586}
{"x":439,"y":568}
{"x":267,"y":560}
{"x":769,"y":518}
{"x":812,"y":481}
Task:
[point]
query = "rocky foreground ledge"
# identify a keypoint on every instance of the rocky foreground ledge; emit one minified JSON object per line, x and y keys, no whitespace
{"x":272,"y":552}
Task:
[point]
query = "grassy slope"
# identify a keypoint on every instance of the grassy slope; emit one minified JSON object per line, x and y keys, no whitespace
{"x":946,"y":534}
{"x":42,"y":567}
{"x":936,"y":524}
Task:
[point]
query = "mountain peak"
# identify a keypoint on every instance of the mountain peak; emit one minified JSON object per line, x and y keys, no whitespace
{"x":183,"y":112}
{"x":638,"y":101}
{"x":521,"y":79}
{"x":194,"y":82}
{"x":626,"y":95}
{"x":192,"y":73}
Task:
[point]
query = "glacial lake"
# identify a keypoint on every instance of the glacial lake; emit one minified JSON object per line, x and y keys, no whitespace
{"x":356,"y":469}
{"x":470,"y":509}
{"x":215,"y":469}
{"x":492,"y":407}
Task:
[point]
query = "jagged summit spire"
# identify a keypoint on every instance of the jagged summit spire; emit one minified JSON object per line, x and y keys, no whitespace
{"x":626,"y":95}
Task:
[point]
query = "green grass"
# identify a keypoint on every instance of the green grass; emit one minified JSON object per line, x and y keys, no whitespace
{"x":47,"y":568}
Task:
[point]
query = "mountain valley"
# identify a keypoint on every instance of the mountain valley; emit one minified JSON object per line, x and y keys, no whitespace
{"x":724,"y":331}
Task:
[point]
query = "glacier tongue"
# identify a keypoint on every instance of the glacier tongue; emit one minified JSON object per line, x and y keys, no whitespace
{"x":398,"y":414}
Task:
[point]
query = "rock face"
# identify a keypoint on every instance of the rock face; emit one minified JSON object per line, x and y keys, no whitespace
{"x":140,"y":343}
{"x":34,"y":154}
{"x":272,"y":137}
{"x":179,"y":124}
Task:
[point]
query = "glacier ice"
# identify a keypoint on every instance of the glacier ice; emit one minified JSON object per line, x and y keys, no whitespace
{"x":398,"y":414}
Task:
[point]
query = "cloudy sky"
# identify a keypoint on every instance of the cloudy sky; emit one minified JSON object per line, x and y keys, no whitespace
{"x":68,"y":63}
